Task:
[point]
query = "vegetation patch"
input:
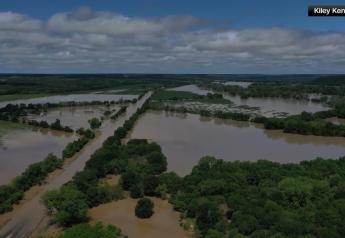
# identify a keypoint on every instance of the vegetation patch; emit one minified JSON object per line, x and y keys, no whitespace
{"x":263,"y":199}
{"x":92,"y":231}
{"x":144,"y":208}
{"x":11,"y":97}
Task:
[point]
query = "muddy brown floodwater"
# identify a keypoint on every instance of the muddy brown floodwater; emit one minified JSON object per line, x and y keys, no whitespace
{"x":268,"y":106}
{"x":71,"y":98}
{"x":21,"y":147}
{"x":74,"y":117}
{"x":185,"y":138}
{"x":163,"y":223}
{"x":31,"y":216}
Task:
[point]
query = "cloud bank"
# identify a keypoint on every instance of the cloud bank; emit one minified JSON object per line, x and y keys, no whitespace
{"x":96,"y":42}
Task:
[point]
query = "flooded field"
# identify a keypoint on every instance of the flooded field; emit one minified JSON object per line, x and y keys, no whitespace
{"x":241,"y":84}
{"x":74,"y":117}
{"x":163,"y":223}
{"x":275,"y":106}
{"x":25,"y":221}
{"x":89,"y":97}
{"x":267,"y":106}
{"x":185,"y":138}
{"x":23,"y":146}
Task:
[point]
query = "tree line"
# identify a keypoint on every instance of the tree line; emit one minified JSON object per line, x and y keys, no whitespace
{"x":35,"y":174}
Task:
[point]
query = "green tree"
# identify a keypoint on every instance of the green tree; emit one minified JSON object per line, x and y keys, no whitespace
{"x":88,"y":231}
{"x":68,"y":205}
{"x":150,"y":183}
{"x":95,"y":123}
{"x":144,"y":208}
{"x":136,"y":191}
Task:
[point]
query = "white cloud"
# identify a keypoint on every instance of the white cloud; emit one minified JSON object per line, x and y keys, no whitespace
{"x":18,"y":22}
{"x":88,"y":41}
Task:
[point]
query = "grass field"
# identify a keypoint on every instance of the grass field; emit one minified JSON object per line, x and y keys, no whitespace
{"x":11,"y":97}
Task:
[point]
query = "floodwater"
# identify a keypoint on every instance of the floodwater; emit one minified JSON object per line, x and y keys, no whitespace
{"x":336,"y":120}
{"x":21,"y":147}
{"x":74,"y":117}
{"x":185,"y":138}
{"x":89,"y":97}
{"x":274,"y":106}
{"x":25,"y":221}
{"x":267,"y":106}
{"x":191,"y":88}
{"x":163,"y":223}
{"x":241,"y":84}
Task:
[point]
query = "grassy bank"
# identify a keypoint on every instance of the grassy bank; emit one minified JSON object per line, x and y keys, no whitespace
{"x":11,"y":97}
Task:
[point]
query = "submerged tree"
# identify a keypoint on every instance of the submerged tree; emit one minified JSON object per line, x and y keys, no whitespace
{"x":144,"y":208}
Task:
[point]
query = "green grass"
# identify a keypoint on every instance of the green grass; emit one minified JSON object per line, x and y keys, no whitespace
{"x":10,"y":97}
{"x":170,"y":95}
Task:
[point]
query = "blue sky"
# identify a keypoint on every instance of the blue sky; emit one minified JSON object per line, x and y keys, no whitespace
{"x":166,"y":36}
{"x":242,"y":13}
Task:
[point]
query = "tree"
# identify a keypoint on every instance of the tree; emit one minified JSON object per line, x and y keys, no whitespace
{"x":144,"y":208}
{"x":95,"y":123}
{"x":88,"y":231}
{"x":129,"y":179}
{"x":157,"y":162}
{"x":150,"y":183}
{"x":68,"y":205}
{"x":136,"y":191}
{"x":207,"y":215}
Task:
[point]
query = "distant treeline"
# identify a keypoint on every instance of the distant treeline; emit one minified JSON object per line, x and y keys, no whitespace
{"x":57,"y":84}
{"x":281,"y":89}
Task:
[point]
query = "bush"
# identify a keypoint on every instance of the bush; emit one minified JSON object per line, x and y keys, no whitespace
{"x":88,"y":231}
{"x":136,"y":191}
{"x":95,"y":123}
{"x":68,"y":205}
{"x":144,"y":208}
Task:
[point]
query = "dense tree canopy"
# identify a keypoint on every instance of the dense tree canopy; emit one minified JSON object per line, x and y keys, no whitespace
{"x":88,"y":231}
{"x":264,"y":199}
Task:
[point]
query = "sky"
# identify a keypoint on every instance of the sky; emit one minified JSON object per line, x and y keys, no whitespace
{"x":169,"y":36}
